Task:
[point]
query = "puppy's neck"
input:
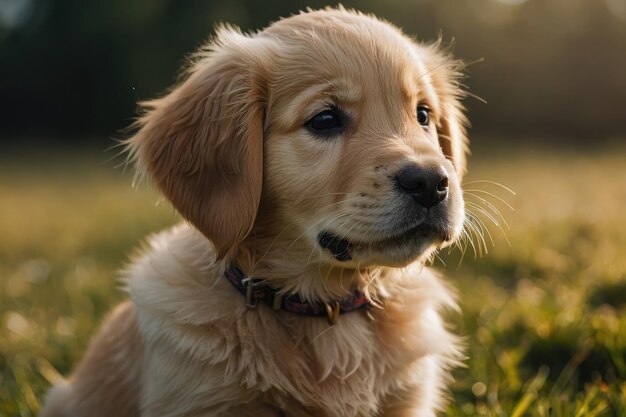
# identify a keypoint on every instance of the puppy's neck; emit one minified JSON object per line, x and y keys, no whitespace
{"x":288,"y":263}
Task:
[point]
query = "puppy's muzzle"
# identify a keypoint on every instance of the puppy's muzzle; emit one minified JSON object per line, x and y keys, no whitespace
{"x":426,"y":184}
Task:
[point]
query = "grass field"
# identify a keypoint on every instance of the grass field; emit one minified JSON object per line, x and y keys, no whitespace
{"x":544,"y":317}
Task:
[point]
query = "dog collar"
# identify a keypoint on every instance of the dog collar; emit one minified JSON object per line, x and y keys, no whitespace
{"x":255,"y":290}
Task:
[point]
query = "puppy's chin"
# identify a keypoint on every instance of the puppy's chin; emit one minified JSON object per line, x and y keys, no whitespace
{"x":401,"y":255}
{"x":396,"y":251}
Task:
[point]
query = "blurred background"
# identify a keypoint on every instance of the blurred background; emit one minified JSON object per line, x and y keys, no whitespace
{"x":542,"y":281}
{"x":73,"y":69}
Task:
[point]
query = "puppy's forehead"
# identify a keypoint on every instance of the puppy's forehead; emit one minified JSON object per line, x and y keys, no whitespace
{"x":346,"y":51}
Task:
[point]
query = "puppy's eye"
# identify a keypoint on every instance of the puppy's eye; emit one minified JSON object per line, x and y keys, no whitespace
{"x":326,"y":123}
{"x":423,"y":115}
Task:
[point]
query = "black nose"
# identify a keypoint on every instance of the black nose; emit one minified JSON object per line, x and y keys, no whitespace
{"x":428,"y":185}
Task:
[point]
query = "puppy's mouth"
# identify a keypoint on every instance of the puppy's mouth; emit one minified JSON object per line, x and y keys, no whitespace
{"x":339,"y":247}
{"x":342,"y":248}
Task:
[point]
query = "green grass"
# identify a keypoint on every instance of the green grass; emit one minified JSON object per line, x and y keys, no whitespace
{"x":544,"y":318}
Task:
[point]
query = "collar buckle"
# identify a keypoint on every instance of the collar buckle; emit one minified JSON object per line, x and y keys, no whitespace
{"x":271,"y":297}
{"x":250,"y":285}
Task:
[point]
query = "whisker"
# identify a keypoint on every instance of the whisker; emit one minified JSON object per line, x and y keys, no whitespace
{"x":470,"y":233}
{"x":315,"y":248}
{"x":472,"y":192}
{"x":341,"y":279}
{"x":479,"y":234}
{"x":462,"y":244}
{"x":481,"y":210}
{"x":480,"y":224}
{"x":440,"y":260}
{"x":469,"y":228}
{"x":492,"y":183}
{"x":325,"y":280}
{"x":484,"y":212}
{"x":485,"y":229}
{"x":490,"y":206}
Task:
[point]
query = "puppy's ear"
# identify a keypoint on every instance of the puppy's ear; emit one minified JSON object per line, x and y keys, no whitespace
{"x":202,"y":143}
{"x":452,"y":127}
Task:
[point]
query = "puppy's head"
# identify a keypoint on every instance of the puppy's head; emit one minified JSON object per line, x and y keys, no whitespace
{"x":346,"y":132}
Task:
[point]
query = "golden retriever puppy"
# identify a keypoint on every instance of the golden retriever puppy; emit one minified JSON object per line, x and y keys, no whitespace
{"x":318,"y":164}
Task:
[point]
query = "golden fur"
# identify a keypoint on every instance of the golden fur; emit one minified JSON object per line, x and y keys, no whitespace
{"x":228,"y":148}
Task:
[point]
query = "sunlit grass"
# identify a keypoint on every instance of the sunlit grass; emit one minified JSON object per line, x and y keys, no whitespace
{"x":544,"y":317}
{"x":67,"y":224}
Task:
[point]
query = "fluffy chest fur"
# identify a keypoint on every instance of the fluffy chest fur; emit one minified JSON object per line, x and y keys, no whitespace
{"x":199,"y":335}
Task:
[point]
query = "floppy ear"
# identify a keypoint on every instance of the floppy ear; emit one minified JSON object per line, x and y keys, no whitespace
{"x":202,"y":143}
{"x":452,"y":127}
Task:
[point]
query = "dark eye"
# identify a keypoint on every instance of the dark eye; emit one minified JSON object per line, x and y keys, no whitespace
{"x":326,"y":123}
{"x":423,"y":116}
